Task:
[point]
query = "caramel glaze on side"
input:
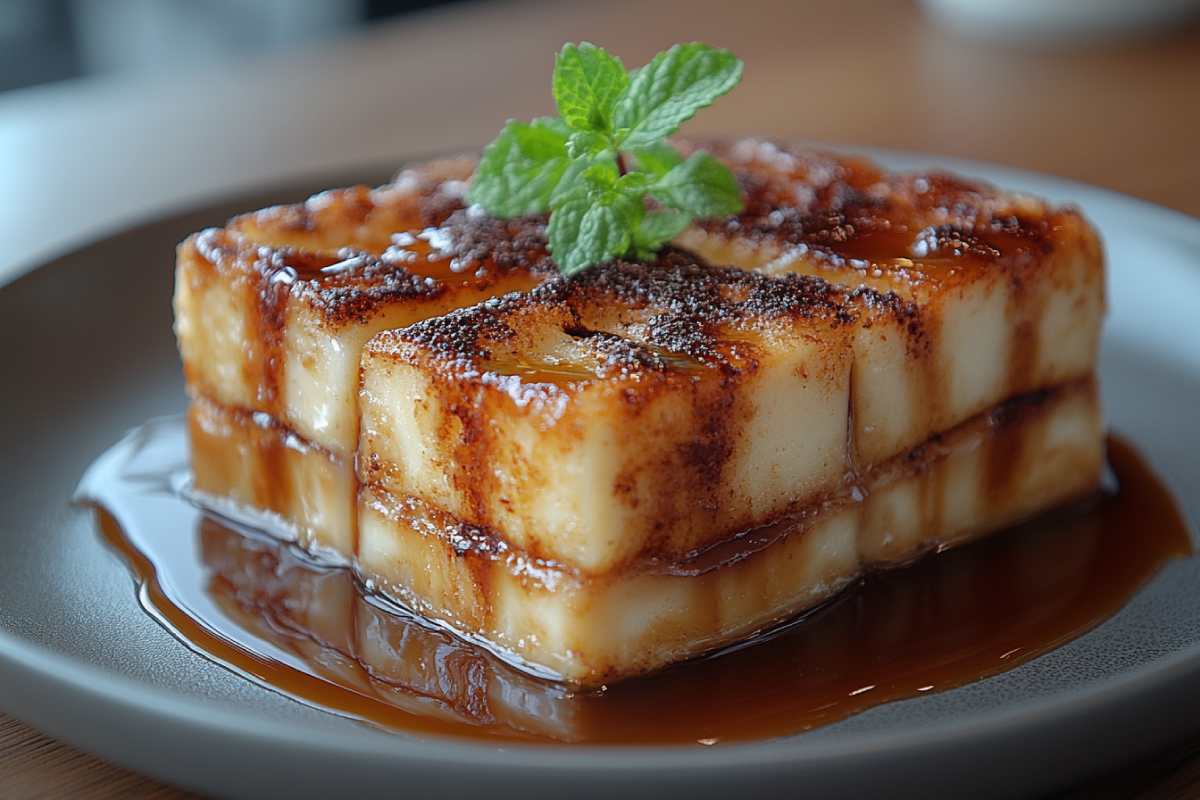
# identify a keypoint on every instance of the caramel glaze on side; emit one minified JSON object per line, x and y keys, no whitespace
{"x":976,"y":611}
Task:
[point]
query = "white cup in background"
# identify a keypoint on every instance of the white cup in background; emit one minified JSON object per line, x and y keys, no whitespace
{"x":1059,"y":22}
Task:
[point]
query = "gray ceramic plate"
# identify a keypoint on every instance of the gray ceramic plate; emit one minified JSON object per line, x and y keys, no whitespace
{"x":88,"y":353}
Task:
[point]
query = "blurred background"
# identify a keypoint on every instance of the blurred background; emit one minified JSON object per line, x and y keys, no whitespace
{"x":50,"y":40}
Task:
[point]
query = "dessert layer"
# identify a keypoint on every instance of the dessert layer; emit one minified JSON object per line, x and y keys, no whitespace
{"x":633,"y":411}
{"x":590,"y":628}
{"x":999,"y":468}
{"x":272,"y":311}
{"x":353,"y":641}
{"x":1003,"y":466}
{"x":253,"y":460}
{"x":980,"y":295}
{"x":1002,"y":293}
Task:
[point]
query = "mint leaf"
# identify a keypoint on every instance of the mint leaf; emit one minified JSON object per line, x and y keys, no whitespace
{"x":570,"y":184}
{"x":671,"y":89}
{"x":587,"y":83}
{"x":583,"y":144}
{"x":520,"y":169}
{"x":659,"y":159}
{"x":599,"y":179}
{"x":701,"y":185}
{"x":634,"y":184}
{"x":589,"y":230}
{"x":658,"y":228}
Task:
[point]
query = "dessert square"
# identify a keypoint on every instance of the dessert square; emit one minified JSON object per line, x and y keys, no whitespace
{"x":599,"y":475}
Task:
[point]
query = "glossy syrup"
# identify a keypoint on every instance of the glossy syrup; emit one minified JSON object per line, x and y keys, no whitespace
{"x":424,"y":253}
{"x":272,"y":614}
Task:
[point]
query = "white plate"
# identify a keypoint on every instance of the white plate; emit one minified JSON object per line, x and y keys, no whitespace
{"x":89,"y":353}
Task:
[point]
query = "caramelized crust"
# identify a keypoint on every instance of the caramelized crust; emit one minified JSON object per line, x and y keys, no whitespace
{"x":361,"y":218}
{"x":851,"y":213}
{"x":674,"y":310}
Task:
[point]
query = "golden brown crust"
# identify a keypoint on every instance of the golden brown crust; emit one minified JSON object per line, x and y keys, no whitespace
{"x":852,"y":214}
{"x":351,"y":283}
{"x":686,"y":302}
{"x":349,"y":256}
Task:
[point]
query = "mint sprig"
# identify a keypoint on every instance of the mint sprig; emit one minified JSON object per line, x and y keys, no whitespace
{"x":612,"y":185}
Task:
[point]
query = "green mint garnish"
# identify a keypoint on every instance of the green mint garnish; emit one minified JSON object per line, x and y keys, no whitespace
{"x":671,"y":89}
{"x":613,"y":186}
{"x":588,"y":83}
{"x":521,"y":168}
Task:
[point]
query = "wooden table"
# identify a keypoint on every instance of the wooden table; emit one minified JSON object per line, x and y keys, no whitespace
{"x":81,"y":159}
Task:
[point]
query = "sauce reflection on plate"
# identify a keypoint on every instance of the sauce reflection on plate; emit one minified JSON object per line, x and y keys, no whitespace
{"x":268,"y":611}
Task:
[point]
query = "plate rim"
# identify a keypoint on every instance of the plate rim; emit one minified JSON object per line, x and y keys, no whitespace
{"x":19,"y":654}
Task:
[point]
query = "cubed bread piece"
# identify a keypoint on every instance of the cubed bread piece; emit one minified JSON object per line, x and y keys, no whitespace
{"x":1000,"y":294}
{"x":633,"y":411}
{"x":999,"y":468}
{"x":591,"y":629}
{"x":272,"y":311}
{"x":250,"y":460}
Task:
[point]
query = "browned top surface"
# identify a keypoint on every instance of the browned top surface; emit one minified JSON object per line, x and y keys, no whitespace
{"x":347,"y":252}
{"x":686,"y":306}
{"x":847,"y":211}
{"x":327,"y":262}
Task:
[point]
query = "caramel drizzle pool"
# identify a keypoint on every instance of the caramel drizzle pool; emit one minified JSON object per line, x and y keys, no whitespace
{"x":308,"y":630}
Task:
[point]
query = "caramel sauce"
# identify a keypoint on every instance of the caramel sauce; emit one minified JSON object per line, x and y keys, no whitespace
{"x":420,"y":254}
{"x":935,"y":223}
{"x":564,"y":374}
{"x":937,"y":254}
{"x":417,"y":252}
{"x":541,"y":372}
{"x":269,"y":612}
